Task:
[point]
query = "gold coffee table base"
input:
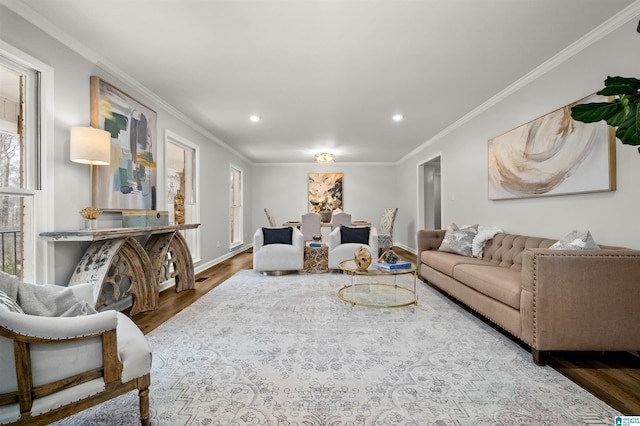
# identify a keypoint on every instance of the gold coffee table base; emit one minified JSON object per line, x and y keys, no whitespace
{"x":377,"y":295}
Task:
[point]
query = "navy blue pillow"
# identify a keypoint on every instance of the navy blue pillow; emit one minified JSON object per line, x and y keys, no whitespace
{"x":358,"y":235}
{"x":277,"y":235}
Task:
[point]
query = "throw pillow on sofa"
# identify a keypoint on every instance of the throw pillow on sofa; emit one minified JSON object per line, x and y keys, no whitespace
{"x":575,"y":240}
{"x":459,"y":241}
{"x":485,"y":233}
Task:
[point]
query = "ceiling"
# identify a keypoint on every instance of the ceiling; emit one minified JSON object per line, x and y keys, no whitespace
{"x":322,"y":74}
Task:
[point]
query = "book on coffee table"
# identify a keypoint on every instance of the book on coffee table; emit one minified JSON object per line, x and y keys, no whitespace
{"x":397,"y":265}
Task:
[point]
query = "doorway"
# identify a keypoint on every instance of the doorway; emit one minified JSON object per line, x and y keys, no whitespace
{"x":430,"y":194}
{"x":182,"y":178}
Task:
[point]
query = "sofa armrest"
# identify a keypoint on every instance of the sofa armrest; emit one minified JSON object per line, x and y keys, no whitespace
{"x":258,"y":239}
{"x":335,"y":238}
{"x":373,"y":242}
{"x":581,"y":300}
{"x":59,"y":328}
{"x":428,"y":239}
{"x":297,"y":238}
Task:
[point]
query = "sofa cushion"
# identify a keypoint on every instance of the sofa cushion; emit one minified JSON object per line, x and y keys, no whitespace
{"x":445,"y":262}
{"x":277,"y":235}
{"x":499,"y":283}
{"x":359,"y":235}
{"x":459,"y":241}
{"x":506,"y":249}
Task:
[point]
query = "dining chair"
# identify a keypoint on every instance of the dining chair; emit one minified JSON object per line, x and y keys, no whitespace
{"x":272,"y":221}
{"x":385,"y":231}
{"x":310,"y":225}
{"x":339,"y":219}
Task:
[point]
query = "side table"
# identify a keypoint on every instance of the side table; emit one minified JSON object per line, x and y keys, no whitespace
{"x":316,"y":259}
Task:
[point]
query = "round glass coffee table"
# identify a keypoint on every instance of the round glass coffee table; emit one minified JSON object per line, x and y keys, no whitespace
{"x":376,"y":291}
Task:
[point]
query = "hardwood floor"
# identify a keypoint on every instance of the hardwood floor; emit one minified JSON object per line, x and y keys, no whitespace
{"x":614,"y":377}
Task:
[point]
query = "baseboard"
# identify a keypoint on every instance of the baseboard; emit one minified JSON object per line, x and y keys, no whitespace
{"x":407,"y":248}
{"x":204,"y":266}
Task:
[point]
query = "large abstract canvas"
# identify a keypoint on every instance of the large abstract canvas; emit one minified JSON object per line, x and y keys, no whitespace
{"x":325,"y":191}
{"x":129,"y":181}
{"x":552,"y":155}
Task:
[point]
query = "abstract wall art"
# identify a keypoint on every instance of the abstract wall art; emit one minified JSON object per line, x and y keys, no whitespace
{"x":325,"y":192}
{"x":129,"y":181}
{"x":552,"y":155}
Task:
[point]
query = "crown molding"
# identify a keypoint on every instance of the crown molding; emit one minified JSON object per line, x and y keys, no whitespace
{"x":607,"y":27}
{"x":325,"y":165}
{"x":45,"y":25}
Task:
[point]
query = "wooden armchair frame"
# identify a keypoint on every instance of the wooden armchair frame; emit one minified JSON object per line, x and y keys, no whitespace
{"x":110,"y":372}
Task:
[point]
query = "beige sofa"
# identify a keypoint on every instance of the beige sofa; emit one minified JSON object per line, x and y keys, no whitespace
{"x":553,"y":300}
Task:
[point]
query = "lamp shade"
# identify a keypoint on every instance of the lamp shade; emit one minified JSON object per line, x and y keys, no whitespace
{"x":90,"y":146}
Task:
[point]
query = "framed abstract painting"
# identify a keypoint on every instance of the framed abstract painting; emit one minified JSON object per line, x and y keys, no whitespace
{"x":129,"y":181}
{"x":325,"y":191}
{"x":553,"y":155}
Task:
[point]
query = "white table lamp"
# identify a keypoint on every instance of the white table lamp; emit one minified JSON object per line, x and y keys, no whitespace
{"x":91,"y":146}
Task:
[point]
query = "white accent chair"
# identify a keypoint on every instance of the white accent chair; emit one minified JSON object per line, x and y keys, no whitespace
{"x":339,"y":219}
{"x":270,"y":218}
{"x":339,"y":251}
{"x":53,"y":367}
{"x":385,"y":235}
{"x":310,"y":226}
{"x":278,"y":259}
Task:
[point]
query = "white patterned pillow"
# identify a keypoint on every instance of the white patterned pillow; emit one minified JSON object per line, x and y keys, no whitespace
{"x":459,"y":241}
{"x":485,"y":233}
{"x":8,"y":304}
{"x":575,"y":240}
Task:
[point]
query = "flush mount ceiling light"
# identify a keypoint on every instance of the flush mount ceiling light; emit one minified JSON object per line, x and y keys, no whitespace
{"x":324,"y":157}
{"x":255,"y":118}
{"x":397,"y":117}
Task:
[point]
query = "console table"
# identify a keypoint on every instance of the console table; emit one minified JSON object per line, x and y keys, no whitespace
{"x":122,"y":262}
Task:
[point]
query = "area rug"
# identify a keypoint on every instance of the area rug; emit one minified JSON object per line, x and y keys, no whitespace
{"x":286,"y":350}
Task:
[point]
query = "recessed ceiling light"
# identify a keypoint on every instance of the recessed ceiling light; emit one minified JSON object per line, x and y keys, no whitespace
{"x":397,"y":117}
{"x":254,"y":118}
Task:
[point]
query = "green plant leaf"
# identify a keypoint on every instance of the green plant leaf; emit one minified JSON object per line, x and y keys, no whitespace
{"x":629,"y":130}
{"x":620,"y":86}
{"x":622,"y":112}
{"x":596,"y":111}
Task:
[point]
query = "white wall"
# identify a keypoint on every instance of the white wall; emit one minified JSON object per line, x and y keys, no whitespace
{"x":71,"y":181}
{"x":612,"y":217}
{"x":367,"y":190}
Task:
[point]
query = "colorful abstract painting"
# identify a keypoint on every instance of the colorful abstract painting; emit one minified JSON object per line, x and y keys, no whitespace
{"x":129,"y":181}
{"x":325,"y":192}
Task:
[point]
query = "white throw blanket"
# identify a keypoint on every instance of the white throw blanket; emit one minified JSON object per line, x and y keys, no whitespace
{"x":44,"y":300}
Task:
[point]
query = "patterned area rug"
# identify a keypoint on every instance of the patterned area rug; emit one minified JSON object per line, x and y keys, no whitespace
{"x":287,"y":351}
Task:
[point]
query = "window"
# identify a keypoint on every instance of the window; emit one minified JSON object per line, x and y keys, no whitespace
{"x":235,"y":202}
{"x":181,"y":172}
{"x":19,"y":166}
